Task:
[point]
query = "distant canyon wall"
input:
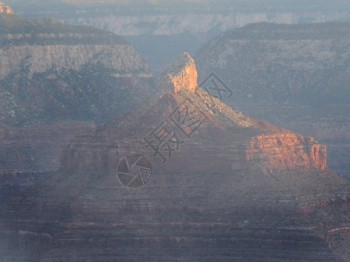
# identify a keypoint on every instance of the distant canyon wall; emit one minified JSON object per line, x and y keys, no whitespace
{"x":58,"y":81}
{"x":197,"y":23}
{"x":39,"y":59}
{"x":162,"y":37}
{"x":294,"y":76}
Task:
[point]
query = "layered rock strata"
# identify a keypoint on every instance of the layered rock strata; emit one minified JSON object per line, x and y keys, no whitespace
{"x":183,"y":177}
{"x":58,"y":80}
{"x":287,"y":151}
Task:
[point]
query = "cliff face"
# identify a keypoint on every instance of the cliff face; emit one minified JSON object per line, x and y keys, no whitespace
{"x":287,"y":151}
{"x":61,"y":78}
{"x":122,"y":59}
{"x":332,"y":131}
{"x":294,"y":76}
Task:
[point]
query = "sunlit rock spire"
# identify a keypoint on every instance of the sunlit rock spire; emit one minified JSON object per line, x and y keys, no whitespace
{"x":181,"y":74}
{"x":5,"y":9}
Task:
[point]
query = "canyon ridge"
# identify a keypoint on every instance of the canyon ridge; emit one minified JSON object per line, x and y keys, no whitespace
{"x":183,"y":177}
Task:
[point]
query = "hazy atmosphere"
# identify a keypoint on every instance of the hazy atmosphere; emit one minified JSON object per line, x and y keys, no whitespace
{"x":190,"y":130}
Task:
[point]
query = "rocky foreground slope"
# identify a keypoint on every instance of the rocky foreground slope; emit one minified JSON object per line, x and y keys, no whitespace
{"x":294,"y":76}
{"x":58,"y":79}
{"x":184,"y":177}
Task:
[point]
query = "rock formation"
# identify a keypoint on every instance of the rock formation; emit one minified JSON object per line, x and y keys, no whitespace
{"x":5,"y":9}
{"x":270,"y":146}
{"x":294,"y":76}
{"x":287,"y":150}
{"x":183,"y":177}
{"x":181,"y":75}
{"x":47,"y":66}
{"x":56,"y":80}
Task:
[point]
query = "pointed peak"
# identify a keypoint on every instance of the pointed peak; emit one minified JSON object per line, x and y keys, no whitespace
{"x":181,"y":74}
{"x":5,"y":9}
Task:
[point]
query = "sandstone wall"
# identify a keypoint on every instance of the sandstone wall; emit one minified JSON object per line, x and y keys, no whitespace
{"x":287,"y":150}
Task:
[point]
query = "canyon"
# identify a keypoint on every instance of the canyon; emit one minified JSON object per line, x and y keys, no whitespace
{"x":160,"y":33}
{"x":183,"y":177}
{"x":97,"y":163}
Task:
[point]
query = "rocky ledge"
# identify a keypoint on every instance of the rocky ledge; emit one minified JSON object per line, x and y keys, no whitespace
{"x":287,"y":150}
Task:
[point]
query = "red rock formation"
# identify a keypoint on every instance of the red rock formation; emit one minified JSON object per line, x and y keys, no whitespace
{"x":287,"y":150}
{"x":5,"y":9}
{"x":187,"y":78}
{"x":182,"y":74}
